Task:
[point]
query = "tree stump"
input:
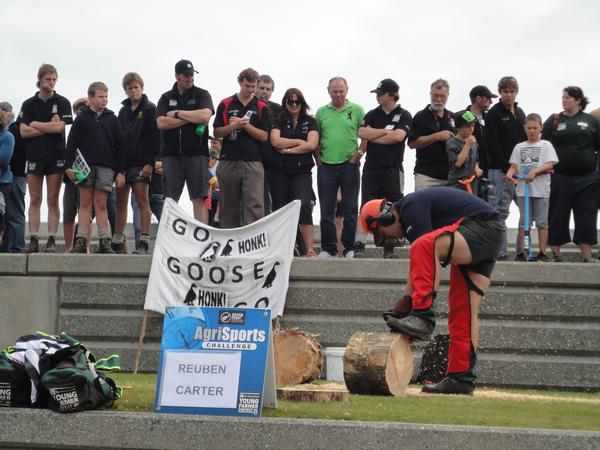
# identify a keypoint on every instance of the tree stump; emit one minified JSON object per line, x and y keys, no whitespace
{"x":378,"y":364}
{"x":298,"y":357}
{"x":319,"y":393}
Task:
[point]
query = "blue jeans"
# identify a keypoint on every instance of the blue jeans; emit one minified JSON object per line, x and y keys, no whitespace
{"x":14,"y":218}
{"x":330,"y":177}
{"x":500,"y":193}
{"x":156,"y":205}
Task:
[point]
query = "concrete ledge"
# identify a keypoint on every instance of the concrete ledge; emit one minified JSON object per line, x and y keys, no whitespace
{"x":112,"y":430}
{"x":71,"y":264}
{"x":13,"y":264}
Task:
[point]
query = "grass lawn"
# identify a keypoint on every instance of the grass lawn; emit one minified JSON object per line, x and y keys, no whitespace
{"x":489,"y":407}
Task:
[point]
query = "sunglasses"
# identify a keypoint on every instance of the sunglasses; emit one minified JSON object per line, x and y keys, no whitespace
{"x":294,"y":102}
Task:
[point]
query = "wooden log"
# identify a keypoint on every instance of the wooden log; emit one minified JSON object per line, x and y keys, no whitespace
{"x":298,"y":357}
{"x":378,"y":364}
{"x":315,"y":393}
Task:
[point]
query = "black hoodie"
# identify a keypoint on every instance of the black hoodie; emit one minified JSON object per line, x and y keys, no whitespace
{"x":142,"y":133}
{"x":99,"y":138}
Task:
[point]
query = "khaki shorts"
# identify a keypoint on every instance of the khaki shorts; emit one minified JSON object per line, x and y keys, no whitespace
{"x":99,"y":178}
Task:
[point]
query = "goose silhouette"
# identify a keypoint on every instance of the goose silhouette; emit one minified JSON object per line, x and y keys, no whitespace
{"x":190,"y":296}
{"x":270,"y":277}
{"x":227,"y":249}
{"x":210,"y":253}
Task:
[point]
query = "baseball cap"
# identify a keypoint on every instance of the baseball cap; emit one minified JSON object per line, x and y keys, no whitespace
{"x":6,"y":107}
{"x":463,"y":118}
{"x":387,"y":85}
{"x":185,"y":67}
{"x":481,"y":91}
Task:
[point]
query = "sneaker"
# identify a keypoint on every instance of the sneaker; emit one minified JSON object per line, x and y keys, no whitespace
{"x":542,"y":257}
{"x":50,"y":245}
{"x":326,"y":255}
{"x":588,"y":259}
{"x":521,"y":256}
{"x":557,"y":258}
{"x":33,"y":246}
{"x":449,"y":385}
{"x":359,"y":247}
{"x":80,"y":245}
{"x":349,"y":254}
{"x":502,"y":258}
{"x":117,"y":247}
{"x":105,"y":246}
{"x":413,"y":326}
{"x":141,"y":248}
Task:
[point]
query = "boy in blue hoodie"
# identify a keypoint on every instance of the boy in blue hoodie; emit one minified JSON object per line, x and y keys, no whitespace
{"x":99,"y":137}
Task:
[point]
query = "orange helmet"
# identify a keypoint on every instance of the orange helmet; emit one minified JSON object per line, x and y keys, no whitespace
{"x":376,"y":213}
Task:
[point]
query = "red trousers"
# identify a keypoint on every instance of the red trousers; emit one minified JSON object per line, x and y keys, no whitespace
{"x":423,"y":268}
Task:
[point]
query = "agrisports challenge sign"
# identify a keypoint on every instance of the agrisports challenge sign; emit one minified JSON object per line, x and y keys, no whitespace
{"x":194,"y":264}
{"x":216,"y":361}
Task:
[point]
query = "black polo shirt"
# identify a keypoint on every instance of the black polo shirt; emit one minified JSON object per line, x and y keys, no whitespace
{"x":269,"y":154}
{"x":184,"y":139}
{"x":386,"y":155}
{"x":479,"y":133}
{"x":503,"y":130}
{"x":34,"y":109}
{"x":245,"y":147}
{"x":287,"y":130}
{"x":432,"y":160}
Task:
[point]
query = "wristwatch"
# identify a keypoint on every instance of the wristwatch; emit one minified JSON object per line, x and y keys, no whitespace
{"x":177,"y":114}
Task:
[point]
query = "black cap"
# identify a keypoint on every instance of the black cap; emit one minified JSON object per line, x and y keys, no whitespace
{"x":387,"y":85}
{"x":481,"y":91}
{"x":185,"y":67}
{"x":463,"y":118}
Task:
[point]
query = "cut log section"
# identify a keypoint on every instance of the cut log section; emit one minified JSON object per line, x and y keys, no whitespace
{"x":378,"y":364}
{"x":316,"y":393}
{"x":298,"y":357}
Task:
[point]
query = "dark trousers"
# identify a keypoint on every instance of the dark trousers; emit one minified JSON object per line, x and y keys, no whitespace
{"x":577,"y":193}
{"x":330,"y":177}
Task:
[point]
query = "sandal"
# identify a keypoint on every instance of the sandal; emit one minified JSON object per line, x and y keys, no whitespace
{"x":311,"y":254}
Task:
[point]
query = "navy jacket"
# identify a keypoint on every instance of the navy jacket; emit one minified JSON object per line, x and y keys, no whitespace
{"x":139,"y":125}
{"x":100,"y":138}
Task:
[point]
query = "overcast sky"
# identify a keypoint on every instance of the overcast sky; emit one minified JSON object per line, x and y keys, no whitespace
{"x":546,"y":45}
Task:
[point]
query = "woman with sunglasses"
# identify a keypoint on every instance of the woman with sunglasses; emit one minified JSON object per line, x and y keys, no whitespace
{"x":294,"y":137}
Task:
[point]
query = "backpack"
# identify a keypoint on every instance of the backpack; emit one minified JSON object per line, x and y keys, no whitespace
{"x":261,"y":106}
{"x":15,"y":385}
{"x":434,"y":361}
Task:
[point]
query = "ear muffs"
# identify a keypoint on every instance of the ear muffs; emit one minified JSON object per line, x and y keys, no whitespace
{"x":384,"y":217}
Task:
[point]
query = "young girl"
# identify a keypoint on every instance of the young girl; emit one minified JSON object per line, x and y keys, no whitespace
{"x":533,"y":160}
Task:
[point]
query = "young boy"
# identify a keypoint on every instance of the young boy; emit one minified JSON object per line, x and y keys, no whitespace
{"x":137,"y":117}
{"x":99,"y":137}
{"x":533,"y":159}
{"x":462,"y":153}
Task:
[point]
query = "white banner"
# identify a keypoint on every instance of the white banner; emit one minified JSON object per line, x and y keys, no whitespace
{"x":196,"y":265}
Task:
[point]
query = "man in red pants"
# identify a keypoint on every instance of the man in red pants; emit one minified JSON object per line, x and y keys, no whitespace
{"x":444,"y":226}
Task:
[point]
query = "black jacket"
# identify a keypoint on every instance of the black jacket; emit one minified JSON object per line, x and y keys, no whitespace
{"x":503,"y":131}
{"x":139,"y":125}
{"x":100,"y":139}
{"x":184,"y":139}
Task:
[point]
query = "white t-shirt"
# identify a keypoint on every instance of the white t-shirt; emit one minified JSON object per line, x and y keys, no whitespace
{"x":531,"y":156}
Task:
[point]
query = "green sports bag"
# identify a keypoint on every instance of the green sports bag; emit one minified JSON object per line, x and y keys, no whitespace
{"x":77,"y":383}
